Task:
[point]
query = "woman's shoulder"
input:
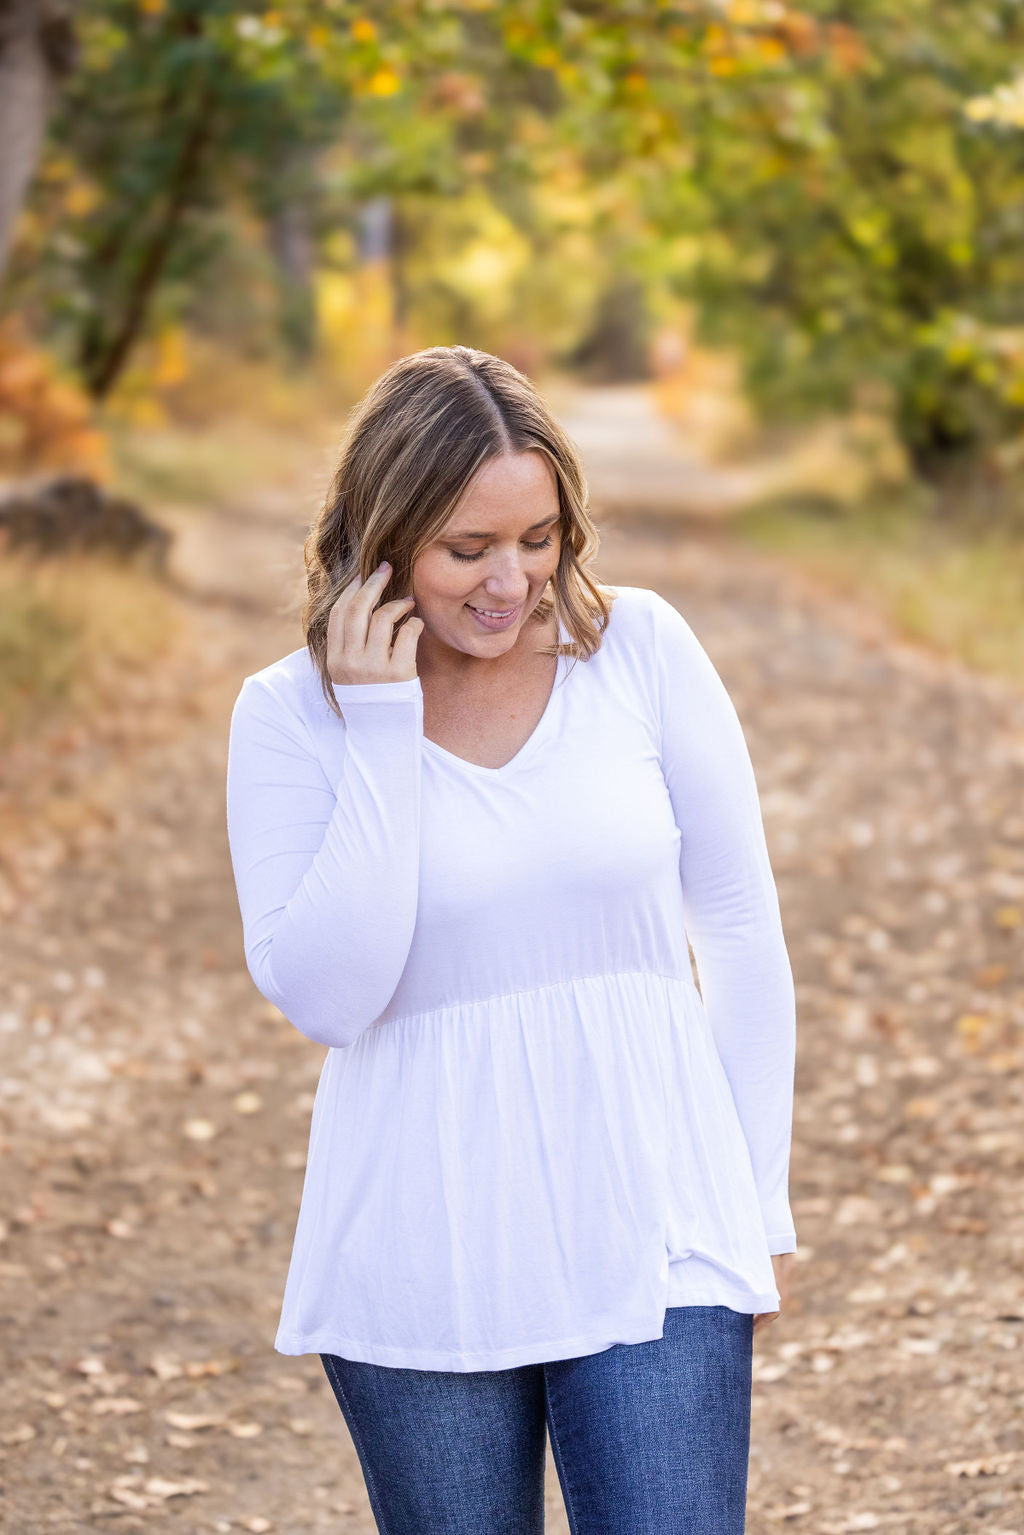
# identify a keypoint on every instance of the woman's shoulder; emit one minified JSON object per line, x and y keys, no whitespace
{"x":648,"y":617}
{"x":288,"y":686}
{"x":639,"y":618}
{"x":651,"y":643}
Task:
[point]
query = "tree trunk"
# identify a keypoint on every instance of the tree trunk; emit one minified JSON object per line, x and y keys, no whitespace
{"x":105,"y":355}
{"x":26,"y":94}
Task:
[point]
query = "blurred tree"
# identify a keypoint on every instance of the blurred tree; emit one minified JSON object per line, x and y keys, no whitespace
{"x":37,"y":49}
{"x":814,"y":178}
{"x":846,"y":222}
{"x":179,"y":106}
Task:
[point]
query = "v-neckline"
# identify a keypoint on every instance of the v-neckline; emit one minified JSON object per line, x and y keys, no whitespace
{"x":532,"y":741}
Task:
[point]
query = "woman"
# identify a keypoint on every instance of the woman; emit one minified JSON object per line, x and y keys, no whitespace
{"x":547,"y":1181}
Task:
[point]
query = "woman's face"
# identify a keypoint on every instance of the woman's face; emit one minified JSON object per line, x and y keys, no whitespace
{"x":478,"y":582}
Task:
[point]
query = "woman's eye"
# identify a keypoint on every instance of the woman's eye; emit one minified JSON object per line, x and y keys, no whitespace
{"x":544,"y":544}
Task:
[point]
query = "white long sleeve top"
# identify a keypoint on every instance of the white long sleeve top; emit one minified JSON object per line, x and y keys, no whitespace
{"x":532,"y":1132}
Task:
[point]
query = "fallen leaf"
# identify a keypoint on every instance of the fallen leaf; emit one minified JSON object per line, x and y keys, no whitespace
{"x":130,"y":1497}
{"x":200,"y":1129}
{"x":20,"y":1435}
{"x":193,"y":1420}
{"x":920,"y":1345}
{"x":165,"y":1367}
{"x":159,"y":1487}
{"x":988,"y":1465}
{"x":197,"y":1367}
{"x":90,"y":1366}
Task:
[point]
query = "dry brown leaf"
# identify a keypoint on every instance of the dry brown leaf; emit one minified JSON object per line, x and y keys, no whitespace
{"x":120,"y":1406}
{"x":190,"y":1421}
{"x":199,"y":1129}
{"x":20,"y":1435}
{"x":160,"y":1487}
{"x":987,"y":1465}
{"x":165,"y":1367}
{"x":197,"y":1367}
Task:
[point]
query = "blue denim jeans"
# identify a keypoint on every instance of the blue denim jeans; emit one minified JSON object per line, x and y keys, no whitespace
{"x":647,"y":1438}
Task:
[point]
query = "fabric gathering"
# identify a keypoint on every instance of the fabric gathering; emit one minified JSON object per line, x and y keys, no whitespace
{"x":532,"y":1132}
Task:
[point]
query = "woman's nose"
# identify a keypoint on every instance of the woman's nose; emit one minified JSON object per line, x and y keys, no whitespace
{"x":507,"y":578}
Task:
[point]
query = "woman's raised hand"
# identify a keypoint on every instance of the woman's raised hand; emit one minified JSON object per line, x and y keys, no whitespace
{"x":359,"y":635}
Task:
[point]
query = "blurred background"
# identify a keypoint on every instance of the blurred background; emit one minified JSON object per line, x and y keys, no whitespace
{"x":767,"y":262}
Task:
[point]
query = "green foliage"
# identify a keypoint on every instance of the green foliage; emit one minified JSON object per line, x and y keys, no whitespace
{"x":843,"y":199}
{"x":859,"y":225}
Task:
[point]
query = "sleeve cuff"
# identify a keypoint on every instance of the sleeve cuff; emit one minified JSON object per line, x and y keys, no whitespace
{"x":377,"y":692}
{"x":786,"y":1243}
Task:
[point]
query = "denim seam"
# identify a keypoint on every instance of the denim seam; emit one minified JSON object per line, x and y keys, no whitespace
{"x":570,"y":1508}
{"x":357,"y":1438}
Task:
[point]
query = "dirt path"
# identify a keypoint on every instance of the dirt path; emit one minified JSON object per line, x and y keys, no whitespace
{"x":155,"y":1110}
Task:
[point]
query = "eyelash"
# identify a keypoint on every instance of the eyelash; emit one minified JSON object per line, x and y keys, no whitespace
{"x":544,"y":544}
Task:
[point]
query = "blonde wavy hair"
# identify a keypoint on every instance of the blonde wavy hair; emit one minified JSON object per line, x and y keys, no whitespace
{"x":411,"y":448}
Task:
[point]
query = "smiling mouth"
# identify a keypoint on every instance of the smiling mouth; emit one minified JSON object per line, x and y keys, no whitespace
{"x":495,"y":612}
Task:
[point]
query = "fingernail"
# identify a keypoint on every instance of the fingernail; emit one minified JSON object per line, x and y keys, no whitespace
{"x":383,"y":565}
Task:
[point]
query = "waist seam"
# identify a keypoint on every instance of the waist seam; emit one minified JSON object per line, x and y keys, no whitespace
{"x":529,"y":991}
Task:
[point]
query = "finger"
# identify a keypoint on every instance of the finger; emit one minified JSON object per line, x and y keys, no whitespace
{"x":381,"y":628}
{"x":403,"y":652}
{"x":357,"y":611}
{"x":336,"y":617}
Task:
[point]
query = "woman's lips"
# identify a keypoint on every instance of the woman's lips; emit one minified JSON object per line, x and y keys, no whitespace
{"x":488,"y":621}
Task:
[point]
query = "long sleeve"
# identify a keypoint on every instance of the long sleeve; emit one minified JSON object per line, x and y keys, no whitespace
{"x":731,"y":907}
{"x":326,"y":873}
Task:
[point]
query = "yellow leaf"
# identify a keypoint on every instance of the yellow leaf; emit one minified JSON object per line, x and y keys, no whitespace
{"x":81,"y":199}
{"x":172,"y":362}
{"x":770,"y":49}
{"x":383,"y":83}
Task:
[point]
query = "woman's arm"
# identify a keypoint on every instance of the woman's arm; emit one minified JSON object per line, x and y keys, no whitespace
{"x":326,"y":874}
{"x":731,"y":907}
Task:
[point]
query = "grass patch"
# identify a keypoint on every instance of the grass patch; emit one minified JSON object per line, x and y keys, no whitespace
{"x":226,"y":429}
{"x":217,"y":466}
{"x":69,"y":630}
{"x":957,"y":588}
